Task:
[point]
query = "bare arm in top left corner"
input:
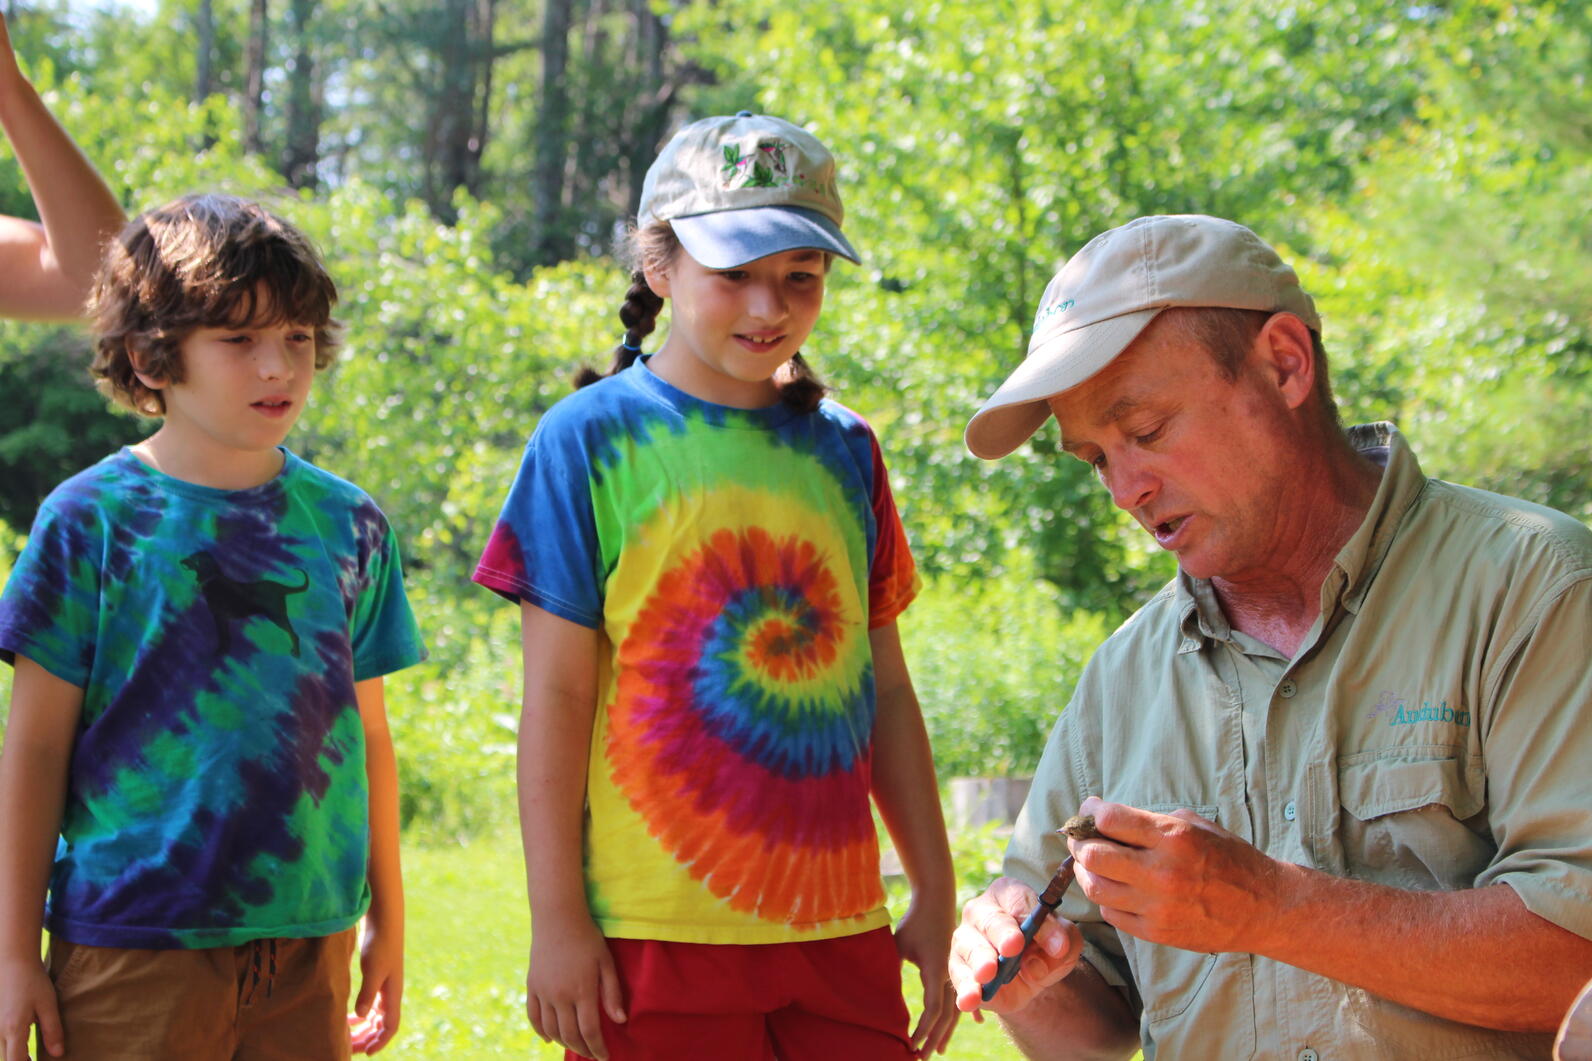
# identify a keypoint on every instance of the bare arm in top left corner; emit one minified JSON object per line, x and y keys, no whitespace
{"x":908,"y":798}
{"x":49,"y":267}
{"x":381,"y":954}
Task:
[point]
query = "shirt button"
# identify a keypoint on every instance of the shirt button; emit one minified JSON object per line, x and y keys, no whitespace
{"x":1308,"y":1054}
{"x":1290,"y":812}
{"x":1287,"y":689}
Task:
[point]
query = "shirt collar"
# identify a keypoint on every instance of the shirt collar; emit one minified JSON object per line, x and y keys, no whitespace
{"x":1200,"y":616}
{"x":1402,"y":482}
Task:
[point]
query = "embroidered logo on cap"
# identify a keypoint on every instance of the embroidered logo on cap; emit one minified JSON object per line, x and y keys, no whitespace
{"x":768,"y":166}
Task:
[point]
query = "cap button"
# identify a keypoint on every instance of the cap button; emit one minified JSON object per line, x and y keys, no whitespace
{"x":743,"y":114}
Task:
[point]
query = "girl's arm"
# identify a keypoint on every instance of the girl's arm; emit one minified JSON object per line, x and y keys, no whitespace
{"x":909,"y":802}
{"x":571,"y":971}
{"x":381,"y":952}
{"x":33,"y":772}
{"x":49,"y":268}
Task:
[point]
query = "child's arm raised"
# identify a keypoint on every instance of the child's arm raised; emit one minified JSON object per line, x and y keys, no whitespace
{"x":571,"y":971}
{"x":49,"y":267}
{"x":381,"y":952}
{"x":33,"y":772}
{"x":909,"y":802}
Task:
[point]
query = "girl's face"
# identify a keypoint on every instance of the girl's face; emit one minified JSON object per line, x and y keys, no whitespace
{"x":731,"y":329}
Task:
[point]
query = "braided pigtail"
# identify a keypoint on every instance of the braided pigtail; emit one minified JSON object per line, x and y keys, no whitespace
{"x":639,"y":314}
{"x":799,"y":386}
{"x":656,"y":246}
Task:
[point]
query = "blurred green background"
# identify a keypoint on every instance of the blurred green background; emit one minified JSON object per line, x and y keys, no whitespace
{"x":464,"y":165}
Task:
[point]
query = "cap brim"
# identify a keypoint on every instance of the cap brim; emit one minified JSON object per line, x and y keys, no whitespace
{"x":727,"y":238}
{"x":1054,"y":364}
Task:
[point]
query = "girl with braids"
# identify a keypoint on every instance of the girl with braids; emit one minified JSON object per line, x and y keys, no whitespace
{"x":709,"y":567}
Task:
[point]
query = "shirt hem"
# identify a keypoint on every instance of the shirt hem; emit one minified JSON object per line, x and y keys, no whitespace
{"x":143,"y":937}
{"x":15,"y":642}
{"x":737,"y":934}
{"x":389,"y":663}
{"x":517,"y":591}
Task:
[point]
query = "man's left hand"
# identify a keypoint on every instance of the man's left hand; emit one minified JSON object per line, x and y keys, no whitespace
{"x":1177,"y":879}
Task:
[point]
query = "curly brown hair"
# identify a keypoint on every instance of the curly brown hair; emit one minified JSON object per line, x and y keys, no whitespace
{"x":201,"y":261}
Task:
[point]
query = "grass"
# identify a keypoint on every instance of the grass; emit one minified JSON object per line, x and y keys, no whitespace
{"x":468,"y":933}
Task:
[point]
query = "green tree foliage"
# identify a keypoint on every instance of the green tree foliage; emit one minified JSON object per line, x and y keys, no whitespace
{"x":1463,"y":258}
{"x":64,"y":425}
{"x":1426,"y":166}
{"x":982,"y":144}
{"x":62,"y":429}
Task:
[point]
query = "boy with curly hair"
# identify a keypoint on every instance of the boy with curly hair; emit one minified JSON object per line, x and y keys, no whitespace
{"x":197,"y":766}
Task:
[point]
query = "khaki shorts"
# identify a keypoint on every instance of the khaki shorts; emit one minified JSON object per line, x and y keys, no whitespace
{"x":271,"y":1000}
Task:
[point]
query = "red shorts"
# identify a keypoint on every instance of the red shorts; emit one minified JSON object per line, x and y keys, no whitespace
{"x":821,"y":1000}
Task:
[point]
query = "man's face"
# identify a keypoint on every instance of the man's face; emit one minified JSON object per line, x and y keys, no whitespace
{"x":1198,"y":460}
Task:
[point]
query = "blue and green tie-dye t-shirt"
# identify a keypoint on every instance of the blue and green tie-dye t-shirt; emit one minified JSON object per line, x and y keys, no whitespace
{"x":217,"y":790}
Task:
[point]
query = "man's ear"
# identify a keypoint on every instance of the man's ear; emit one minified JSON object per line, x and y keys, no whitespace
{"x":1289,"y":355}
{"x":140,"y":362}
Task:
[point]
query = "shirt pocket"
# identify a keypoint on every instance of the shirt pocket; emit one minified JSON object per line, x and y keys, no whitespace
{"x":1178,"y":985}
{"x":1412,"y":818}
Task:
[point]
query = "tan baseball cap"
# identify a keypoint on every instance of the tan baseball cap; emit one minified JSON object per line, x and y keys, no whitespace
{"x":743,"y":187}
{"x":1110,"y":290}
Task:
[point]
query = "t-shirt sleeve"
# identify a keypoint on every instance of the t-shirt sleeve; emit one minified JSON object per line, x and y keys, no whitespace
{"x":49,"y":610}
{"x":892,"y":575}
{"x":385,"y":637}
{"x":544,"y":548}
{"x":1538,"y":742}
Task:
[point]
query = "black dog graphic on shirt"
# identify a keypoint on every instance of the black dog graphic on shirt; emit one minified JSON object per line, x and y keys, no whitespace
{"x":229,"y":599}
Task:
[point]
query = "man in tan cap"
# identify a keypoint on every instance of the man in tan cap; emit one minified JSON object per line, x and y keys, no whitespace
{"x":1339,"y":764}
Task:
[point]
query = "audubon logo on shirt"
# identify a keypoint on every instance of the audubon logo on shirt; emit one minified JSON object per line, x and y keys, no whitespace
{"x":1400,"y":712}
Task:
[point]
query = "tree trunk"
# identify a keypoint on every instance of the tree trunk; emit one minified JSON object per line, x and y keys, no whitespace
{"x":254,"y":93}
{"x":456,"y":127}
{"x":553,"y":242}
{"x":205,"y":29}
{"x":301,"y":151}
{"x":485,"y":57}
{"x":656,"y":102}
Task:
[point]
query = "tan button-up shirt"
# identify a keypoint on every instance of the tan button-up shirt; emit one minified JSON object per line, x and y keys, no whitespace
{"x":1434,"y":732}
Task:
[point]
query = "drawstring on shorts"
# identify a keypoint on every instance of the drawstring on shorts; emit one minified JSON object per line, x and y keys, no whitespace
{"x":262,"y":951}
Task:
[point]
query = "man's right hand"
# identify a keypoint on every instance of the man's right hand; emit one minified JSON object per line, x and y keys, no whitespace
{"x":990,"y":930}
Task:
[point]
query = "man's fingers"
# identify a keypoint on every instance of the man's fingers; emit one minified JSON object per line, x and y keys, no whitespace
{"x":1121,"y":824}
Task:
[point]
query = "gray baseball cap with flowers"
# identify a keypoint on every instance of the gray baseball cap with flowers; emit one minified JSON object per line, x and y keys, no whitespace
{"x":742,"y":187}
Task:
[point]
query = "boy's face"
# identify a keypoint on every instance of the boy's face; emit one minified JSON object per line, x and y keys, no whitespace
{"x":242,"y":389}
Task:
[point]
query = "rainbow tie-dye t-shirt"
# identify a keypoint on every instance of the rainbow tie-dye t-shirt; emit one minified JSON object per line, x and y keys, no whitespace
{"x":734,"y":561}
{"x":217,"y":789}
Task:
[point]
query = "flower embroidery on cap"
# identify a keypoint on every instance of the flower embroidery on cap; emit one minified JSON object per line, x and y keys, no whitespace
{"x":765,"y":167}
